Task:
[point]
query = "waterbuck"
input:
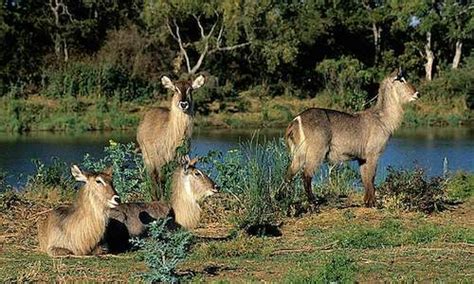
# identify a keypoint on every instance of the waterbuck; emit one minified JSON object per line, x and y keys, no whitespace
{"x":190,"y":185}
{"x":317,"y":134}
{"x":77,"y":229}
{"x":162,"y":130}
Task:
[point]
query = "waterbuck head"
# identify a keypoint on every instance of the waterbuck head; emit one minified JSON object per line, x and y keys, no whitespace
{"x":399,"y":89}
{"x":195,"y":182}
{"x":98,"y":186}
{"x":182,"y":92}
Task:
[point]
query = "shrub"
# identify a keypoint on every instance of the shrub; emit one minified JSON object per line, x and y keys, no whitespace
{"x":55,"y":175}
{"x":410,"y":190}
{"x":163,"y":251}
{"x":84,"y":80}
{"x":346,"y":77}
{"x":4,"y":186}
{"x":129,"y":173}
{"x":460,"y":187}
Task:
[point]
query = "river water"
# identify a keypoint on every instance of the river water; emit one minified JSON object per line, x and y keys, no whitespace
{"x":425,"y":147}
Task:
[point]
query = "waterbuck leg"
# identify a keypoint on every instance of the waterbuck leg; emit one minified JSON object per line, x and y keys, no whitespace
{"x":155,"y":185}
{"x":308,"y":188}
{"x":367,"y":172}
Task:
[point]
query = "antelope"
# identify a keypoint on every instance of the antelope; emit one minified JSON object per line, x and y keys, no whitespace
{"x":162,"y":130}
{"x":78,"y":228}
{"x":319,"y":134}
{"x":189,"y":186}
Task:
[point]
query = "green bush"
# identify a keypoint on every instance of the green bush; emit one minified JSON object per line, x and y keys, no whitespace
{"x":129,"y":175}
{"x":346,"y":77}
{"x":4,"y":186}
{"x":410,"y":190}
{"x":459,"y":187}
{"x":453,"y":82}
{"x":163,"y":251}
{"x":89,"y":80}
{"x":57,"y":174}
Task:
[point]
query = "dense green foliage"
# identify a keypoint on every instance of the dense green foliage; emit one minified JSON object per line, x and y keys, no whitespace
{"x":100,"y":49}
{"x":129,"y":175}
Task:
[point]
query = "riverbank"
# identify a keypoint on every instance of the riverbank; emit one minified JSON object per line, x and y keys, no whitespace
{"x":38,"y":113}
{"x":260,"y":228}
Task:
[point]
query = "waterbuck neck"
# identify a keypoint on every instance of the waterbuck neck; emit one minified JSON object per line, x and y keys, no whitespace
{"x":90,"y":216}
{"x":388,"y":109}
{"x":186,"y":209}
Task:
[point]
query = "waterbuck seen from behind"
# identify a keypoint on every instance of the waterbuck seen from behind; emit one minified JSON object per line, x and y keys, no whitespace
{"x":162,"y":130}
{"x":78,"y":228}
{"x":317,"y":134}
{"x":189,"y":186}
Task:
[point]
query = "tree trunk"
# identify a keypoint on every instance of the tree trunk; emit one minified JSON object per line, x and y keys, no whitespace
{"x":457,"y":54}
{"x":377,"y":31}
{"x":429,"y":58}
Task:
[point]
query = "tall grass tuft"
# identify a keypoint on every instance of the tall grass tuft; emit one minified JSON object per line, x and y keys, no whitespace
{"x":255,"y":173}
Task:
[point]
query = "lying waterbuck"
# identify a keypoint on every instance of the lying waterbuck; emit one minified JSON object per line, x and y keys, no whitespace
{"x":162,"y":130}
{"x":190,"y":185}
{"x":77,"y":229}
{"x":317,"y":134}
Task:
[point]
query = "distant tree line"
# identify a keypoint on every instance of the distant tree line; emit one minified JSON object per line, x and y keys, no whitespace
{"x":120,"y":48}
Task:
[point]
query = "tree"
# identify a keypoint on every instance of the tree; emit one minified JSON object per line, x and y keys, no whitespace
{"x":423,"y":16}
{"x":458,"y":17}
{"x":199,"y":29}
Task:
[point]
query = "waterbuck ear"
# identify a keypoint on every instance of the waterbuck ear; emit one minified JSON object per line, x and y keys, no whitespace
{"x":198,"y":82}
{"x":78,"y":174}
{"x":108,"y":171}
{"x":185,"y":163}
{"x":400,"y":73}
{"x":167,"y":83}
{"x":193,"y":161}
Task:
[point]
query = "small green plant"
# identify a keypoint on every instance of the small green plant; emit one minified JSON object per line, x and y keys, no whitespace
{"x":459,"y":187}
{"x":339,"y":268}
{"x":46,"y":176}
{"x":410,"y":190}
{"x":163,"y":251}
{"x":4,"y":186}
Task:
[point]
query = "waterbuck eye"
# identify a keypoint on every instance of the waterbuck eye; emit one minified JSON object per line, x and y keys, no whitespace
{"x":197,"y":173}
{"x":100,"y":181}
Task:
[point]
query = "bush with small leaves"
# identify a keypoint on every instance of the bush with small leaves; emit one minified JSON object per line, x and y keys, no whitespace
{"x":163,"y":251}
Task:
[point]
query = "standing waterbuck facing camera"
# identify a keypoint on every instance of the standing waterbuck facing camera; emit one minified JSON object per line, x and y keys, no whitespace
{"x":77,"y":229}
{"x":162,"y":130}
{"x":190,"y":185}
{"x":317,"y":134}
